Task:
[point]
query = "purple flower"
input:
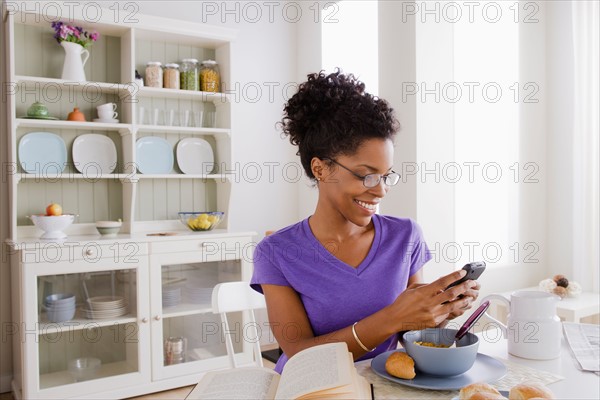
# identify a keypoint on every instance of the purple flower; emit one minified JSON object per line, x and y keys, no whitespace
{"x":74,"y":34}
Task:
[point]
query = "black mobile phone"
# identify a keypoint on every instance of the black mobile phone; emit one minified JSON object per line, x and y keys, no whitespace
{"x":474,"y":271}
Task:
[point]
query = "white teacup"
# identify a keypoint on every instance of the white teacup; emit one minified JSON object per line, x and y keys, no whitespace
{"x":107,"y":111}
{"x":107,"y":106}
{"x":107,"y":114}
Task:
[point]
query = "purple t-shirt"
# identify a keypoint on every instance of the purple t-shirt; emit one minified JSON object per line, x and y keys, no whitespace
{"x":336,"y":295}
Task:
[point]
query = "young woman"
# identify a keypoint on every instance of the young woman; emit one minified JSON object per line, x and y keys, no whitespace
{"x":346,"y":273}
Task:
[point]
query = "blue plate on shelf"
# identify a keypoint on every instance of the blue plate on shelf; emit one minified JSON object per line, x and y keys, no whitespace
{"x":42,"y":153}
{"x":154,"y":155}
{"x":485,"y":369}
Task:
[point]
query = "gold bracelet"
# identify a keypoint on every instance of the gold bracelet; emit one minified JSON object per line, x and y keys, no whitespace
{"x":358,"y":340}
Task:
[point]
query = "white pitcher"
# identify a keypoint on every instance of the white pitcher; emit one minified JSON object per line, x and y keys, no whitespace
{"x":534,"y":330}
{"x":73,"y":65}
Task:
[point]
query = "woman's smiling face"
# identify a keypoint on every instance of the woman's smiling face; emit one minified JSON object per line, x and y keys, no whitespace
{"x":345,"y":193}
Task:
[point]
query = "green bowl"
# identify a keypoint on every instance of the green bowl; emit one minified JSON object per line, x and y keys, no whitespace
{"x":37,"y":109}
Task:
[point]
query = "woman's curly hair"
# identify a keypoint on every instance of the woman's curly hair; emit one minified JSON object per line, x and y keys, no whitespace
{"x":332,"y":115}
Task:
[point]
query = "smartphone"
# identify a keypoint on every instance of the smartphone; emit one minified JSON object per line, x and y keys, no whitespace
{"x":474,"y":271}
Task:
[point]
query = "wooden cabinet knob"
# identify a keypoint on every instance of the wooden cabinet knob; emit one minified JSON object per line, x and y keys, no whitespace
{"x":157,"y":318}
{"x":145,"y":320}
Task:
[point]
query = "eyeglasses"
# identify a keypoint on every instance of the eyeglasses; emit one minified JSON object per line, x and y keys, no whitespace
{"x":372,"y":180}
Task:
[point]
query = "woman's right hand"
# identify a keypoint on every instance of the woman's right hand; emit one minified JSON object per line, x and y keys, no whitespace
{"x":423,"y":306}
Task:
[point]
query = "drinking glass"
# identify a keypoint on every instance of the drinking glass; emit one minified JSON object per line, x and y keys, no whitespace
{"x":142,"y":116}
{"x":198,"y":116}
{"x":155,"y":116}
{"x":184,"y":118}
{"x":170,"y":117}
{"x":210,"y":119}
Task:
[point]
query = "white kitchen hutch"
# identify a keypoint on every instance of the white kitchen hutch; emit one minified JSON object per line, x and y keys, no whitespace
{"x":133,"y":265}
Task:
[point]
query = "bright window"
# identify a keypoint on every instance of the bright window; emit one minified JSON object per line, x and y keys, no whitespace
{"x":350,"y":38}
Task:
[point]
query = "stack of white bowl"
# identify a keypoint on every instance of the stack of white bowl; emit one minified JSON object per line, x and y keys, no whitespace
{"x":60,"y":307}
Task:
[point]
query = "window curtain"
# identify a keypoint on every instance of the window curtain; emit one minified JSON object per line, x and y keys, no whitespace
{"x":586,"y":132}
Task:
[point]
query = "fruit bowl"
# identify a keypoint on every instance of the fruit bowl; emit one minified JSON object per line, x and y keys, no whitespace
{"x":201,"y":221}
{"x":53,"y":225}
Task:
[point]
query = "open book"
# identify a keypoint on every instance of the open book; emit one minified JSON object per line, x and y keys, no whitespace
{"x":324,"y":371}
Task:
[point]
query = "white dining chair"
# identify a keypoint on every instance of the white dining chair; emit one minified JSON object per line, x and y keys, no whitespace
{"x":231,"y":297}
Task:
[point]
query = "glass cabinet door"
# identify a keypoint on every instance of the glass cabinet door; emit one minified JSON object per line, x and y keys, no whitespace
{"x":191,"y":335}
{"x":87,"y":328}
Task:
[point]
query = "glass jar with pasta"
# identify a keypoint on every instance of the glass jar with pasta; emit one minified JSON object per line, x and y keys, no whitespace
{"x":210,"y":77}
{"x":171,"y":76}
{"x":154,"y":74}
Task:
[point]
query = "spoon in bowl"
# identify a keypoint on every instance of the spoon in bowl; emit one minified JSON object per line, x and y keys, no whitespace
{"x":470,"y":322}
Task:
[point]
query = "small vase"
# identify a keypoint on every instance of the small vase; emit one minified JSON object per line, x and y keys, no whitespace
{"x":73,"y":65}
{"x":76,"y":115}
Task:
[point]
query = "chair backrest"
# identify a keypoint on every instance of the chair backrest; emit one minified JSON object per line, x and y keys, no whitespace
{"x":235,"y":297}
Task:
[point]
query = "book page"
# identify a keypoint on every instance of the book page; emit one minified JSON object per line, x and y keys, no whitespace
{"x":315,"y":369}
{"x":237,"y":383}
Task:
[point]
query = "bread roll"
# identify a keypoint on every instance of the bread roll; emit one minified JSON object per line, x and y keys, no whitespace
{"x":480,"y":391}
{"x":528,"y":391}
{"x":400,"y":365}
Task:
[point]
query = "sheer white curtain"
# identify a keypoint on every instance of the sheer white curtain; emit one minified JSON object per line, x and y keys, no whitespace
{"x":586,"y":130}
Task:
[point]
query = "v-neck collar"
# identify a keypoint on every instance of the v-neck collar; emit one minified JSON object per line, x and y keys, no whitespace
{"x":326,"y":254}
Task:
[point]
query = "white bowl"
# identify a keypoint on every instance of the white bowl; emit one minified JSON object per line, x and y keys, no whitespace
{"x":60,"y":298}
{"x":84,"y":368}
{"x":108,"y":228}
{"x":441,"y":361}
{"x":60,"y":314}
{"x":52,"y":225}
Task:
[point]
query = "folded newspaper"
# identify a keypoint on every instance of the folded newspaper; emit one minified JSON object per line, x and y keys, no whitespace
{"x":584,"y":340}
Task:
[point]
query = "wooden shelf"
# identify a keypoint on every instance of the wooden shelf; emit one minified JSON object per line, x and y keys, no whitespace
{"x":184,"y":309}
{"x":222,"y":177}
{"x":76,"y":176}
{"x":183,"y":94}
{"x":62,"y":124}
{"x":33,"y":82}
{"x":79,"y":323}
{"x":218,"y":132}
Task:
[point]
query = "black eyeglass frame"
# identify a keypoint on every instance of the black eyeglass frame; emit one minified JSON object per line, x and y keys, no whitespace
{"x":364,"y":178}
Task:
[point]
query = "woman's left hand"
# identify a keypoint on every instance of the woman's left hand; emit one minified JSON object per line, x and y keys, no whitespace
{"x":473,"y":294}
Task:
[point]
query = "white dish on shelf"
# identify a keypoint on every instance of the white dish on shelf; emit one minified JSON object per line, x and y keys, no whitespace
{"x":154,"y":155}
{"x":195,"y":156}
{"x":42,"y":153}
{"x":106,"y":121}
{"x":94,"y":153}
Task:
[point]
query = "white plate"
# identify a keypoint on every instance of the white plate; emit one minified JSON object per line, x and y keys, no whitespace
{"x":42,"y":153}
{"x":485,"y":369}
{"x":195,"y":156}
{"x":154,"y":155}
{"x":94,"y":153}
